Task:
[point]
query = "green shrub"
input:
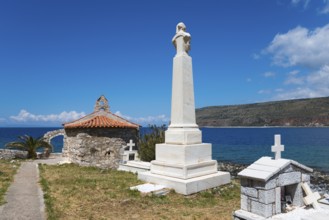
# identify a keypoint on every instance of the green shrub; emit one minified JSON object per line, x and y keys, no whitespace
{"x":148,"y":141}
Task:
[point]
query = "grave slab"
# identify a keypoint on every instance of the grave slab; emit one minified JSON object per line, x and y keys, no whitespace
{"x":135,"y":166}
{"x":247,"y":215}
{"x":148,"y":187}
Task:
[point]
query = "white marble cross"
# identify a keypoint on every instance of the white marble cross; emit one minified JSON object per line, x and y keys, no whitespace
{"x":311,"y":198}
{"x":277,"y":147}
{"x":131,"y":144}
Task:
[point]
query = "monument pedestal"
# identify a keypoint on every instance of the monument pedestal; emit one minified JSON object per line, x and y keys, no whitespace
{"x":185,"y":168}
{"x":187,"y":186}
{"x":184,"y":163}
{"x":183,"y":136}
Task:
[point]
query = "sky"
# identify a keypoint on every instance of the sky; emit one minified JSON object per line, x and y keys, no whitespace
{"x":57,"y":57}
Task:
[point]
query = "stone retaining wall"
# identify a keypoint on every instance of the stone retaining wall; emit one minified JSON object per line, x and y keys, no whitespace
{"x":12,"y":154}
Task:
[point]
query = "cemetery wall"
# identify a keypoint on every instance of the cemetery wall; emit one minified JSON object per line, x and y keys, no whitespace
{"x":12,"y":154}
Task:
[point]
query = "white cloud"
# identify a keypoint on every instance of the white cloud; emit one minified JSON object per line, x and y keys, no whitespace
{"x":264,"y":91}
{"x":325,"y":9}
{"x":304,"y":49}
{"x":301,"y":47}
{"x":295,"y":1}
{"x":249,"y":80}
{"x":294,"y":80}
{"x":269,"y":74}
{"x":159,"y":119}
{"x":255,"y":56}
{"x":315,"y":84}
{"x":304,"y":2}
{"x":320,"y":78}
{"x":296,"y":93}
{"x":25,"y":116}
{"x":294,"y":72}
{"x":279,"y":90}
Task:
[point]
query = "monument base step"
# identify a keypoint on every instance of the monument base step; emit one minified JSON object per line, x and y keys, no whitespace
{"x":135,"y":166}
{"x":188,"y":186}
{"x":244,"y":215}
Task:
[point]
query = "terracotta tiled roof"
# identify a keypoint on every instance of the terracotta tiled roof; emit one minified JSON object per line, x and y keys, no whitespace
{"x":101,"y":121}
{"x":101,"y":118}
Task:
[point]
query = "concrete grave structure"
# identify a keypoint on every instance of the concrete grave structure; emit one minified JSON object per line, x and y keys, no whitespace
{"x":99,"y":139}
{"x":272,"y":186}
{"x":183,"y":162}
{"x":130,"y":153}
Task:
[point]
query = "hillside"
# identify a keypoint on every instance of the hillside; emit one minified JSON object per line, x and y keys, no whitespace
{"x":299,"y":112}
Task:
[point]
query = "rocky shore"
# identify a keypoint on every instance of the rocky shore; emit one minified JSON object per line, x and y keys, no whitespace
{"x":319,"y":179}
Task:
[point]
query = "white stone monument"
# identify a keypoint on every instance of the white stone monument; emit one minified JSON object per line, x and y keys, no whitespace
{"x":183,"y":162}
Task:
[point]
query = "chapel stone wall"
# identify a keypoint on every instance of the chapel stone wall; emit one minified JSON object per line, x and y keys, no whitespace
{"x":100,"y":147}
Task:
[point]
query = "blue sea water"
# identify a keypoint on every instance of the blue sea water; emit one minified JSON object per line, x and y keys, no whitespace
{"x":12,"y":134}
{"x":309,"y":146}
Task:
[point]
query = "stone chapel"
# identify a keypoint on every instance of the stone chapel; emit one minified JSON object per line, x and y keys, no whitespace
{"x":98,"y":139}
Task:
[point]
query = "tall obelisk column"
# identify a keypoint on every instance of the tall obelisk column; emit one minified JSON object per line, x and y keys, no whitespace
{"x":183,"y":162}
{"x":183,"y":128}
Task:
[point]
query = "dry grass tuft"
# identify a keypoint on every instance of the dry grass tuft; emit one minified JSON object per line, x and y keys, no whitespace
{"x":73,"y":192}
{"x":7,"y":171}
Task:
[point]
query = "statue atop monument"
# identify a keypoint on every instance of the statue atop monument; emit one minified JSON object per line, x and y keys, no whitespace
{"x":183,"y":162}
{"x":182,"y":39}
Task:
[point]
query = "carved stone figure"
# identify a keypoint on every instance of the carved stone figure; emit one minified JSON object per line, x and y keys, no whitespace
{"x":182,"y":39}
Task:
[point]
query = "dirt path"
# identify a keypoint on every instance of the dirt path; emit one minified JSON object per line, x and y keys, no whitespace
{"x":24,"y":197}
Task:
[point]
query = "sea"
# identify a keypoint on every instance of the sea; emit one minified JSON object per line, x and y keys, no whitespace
{"x":309,"y":146}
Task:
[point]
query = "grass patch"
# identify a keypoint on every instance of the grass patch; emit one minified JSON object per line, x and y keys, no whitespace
{"x":7,"y":171}
{"x":73,"y":192}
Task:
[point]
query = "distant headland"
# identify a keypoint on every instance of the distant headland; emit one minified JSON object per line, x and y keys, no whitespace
{"x":313,"y":112}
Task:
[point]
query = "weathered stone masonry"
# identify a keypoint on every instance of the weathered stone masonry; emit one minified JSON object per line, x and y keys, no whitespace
{"x":101,"y":147}
{"x":266,"y":185}
{"x":99,"y":138}
{"x":12,"y":154}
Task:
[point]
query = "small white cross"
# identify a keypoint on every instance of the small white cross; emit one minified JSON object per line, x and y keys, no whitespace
{"x":277,"y":148}
{"x":131,"y":144}
{"x":311,"y":198}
